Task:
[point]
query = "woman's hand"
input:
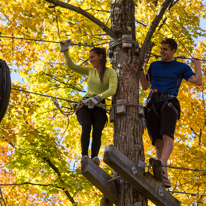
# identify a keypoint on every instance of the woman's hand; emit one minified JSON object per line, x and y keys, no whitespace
{"x":65,"y":44}
{"x":92,"y":101}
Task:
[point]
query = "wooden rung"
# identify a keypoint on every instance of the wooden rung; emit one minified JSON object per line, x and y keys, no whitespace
{"x":136,"y":176}
{"x":99,"y":178}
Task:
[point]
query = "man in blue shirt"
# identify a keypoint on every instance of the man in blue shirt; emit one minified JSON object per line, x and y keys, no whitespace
{"x":163,"y":109}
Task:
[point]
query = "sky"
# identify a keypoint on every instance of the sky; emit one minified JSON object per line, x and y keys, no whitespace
{"x":203,"y":26}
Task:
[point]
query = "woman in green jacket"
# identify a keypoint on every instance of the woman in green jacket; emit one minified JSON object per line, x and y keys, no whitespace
{"x":102,"y":83}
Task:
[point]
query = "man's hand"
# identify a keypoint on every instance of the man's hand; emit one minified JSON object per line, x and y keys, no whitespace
{"x":195,"y":61}
{"x":65,"y":44}
{"x":92,"y":101}
{"x":197,"y":78}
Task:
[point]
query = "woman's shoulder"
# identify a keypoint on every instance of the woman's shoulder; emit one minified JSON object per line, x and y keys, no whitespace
{"x":91,"y":69}
{"x":110,"y":70}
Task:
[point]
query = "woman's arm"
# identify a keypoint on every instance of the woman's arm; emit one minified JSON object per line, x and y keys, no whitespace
{"x":74,"y":67}
{"x":112,"y":85}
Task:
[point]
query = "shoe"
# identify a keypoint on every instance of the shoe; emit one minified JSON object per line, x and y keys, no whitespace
{"x":166,"y":182}
{"x":84,"y":157}
{"x":153,"y":159}
{"x":96,"y":160}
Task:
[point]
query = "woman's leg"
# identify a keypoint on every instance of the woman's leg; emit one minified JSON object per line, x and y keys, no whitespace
{"x":99,"y":119}
{"x":85,"y":120}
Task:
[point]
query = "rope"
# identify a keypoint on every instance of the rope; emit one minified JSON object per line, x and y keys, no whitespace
{"x":58,"y":106}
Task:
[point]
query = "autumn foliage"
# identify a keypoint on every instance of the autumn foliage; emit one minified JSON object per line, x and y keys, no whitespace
{"x":40,"y":145}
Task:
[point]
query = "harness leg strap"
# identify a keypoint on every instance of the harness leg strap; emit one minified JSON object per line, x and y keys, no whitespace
{"x":169,"y":104}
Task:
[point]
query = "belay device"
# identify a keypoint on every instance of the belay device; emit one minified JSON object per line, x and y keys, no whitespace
{"x":5,"y":88}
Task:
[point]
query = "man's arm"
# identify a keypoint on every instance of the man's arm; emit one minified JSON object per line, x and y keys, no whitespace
{"x":143,"y":81}
{"x":197,"y":77}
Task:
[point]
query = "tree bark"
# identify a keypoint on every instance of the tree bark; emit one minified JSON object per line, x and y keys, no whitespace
{"x":128,"y":128}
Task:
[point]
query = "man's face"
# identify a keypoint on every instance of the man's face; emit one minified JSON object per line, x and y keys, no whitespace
{"x":167,"y":54}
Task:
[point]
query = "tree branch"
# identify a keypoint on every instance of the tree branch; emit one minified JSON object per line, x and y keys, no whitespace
{"x":172,"y":4}
{"x":84,"y":13}
{"x":30,"y":183}
{"x":59,"y":175}
{"x":152,"y":30}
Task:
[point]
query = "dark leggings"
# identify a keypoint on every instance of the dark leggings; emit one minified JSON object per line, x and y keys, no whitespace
{"x":88,"y":117}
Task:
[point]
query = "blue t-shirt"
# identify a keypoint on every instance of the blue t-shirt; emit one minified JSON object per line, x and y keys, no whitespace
{"x":166,"y":77}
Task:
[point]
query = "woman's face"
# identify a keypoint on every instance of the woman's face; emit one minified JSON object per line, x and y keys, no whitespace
{"x":95,"y":59}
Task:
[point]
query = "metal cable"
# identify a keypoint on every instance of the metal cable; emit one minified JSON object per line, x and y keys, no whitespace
{"x":71,"y":101}
{"x":180,"y":168}
{"x":154,"y":10}
{"x":56,"y":42}
{"x":120,"y":40}
{"x":178,"y":57}
{"x":48,"y":96}
{"x":187,"y":193}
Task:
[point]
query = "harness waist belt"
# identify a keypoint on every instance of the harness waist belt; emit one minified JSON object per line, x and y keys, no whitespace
{"x":162,"y":96}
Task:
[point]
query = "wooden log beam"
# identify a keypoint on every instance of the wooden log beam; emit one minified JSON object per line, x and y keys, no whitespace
{"x":99,"y":178}
{"x":136,"y":176}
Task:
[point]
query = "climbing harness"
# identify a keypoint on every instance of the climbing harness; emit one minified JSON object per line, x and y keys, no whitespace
{"x":155,"y":95}
{"x":150,"y":96}
{"x":80,"y":104}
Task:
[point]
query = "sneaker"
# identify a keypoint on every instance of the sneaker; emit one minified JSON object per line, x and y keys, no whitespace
{"x":83,"y":157}
{"x":96,"y":161}
{"x":153,"y":159}
{"x":166,"y":182}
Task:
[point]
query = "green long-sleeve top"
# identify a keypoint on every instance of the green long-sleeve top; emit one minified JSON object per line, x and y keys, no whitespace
{"x":94,"y":86}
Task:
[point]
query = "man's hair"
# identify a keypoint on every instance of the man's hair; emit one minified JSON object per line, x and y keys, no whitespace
{"x":172,"y":43}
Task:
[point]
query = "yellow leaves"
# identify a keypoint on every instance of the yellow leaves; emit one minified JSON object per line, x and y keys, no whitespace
{"x":41,"y":130}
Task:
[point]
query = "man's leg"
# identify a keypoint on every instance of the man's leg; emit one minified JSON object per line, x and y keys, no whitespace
{"x":159,"y":144}
{"x":168,"y":123}
{"x":164,"y":149}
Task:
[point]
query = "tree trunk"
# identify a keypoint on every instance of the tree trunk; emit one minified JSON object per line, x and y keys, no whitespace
{"x":128,"y":128}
